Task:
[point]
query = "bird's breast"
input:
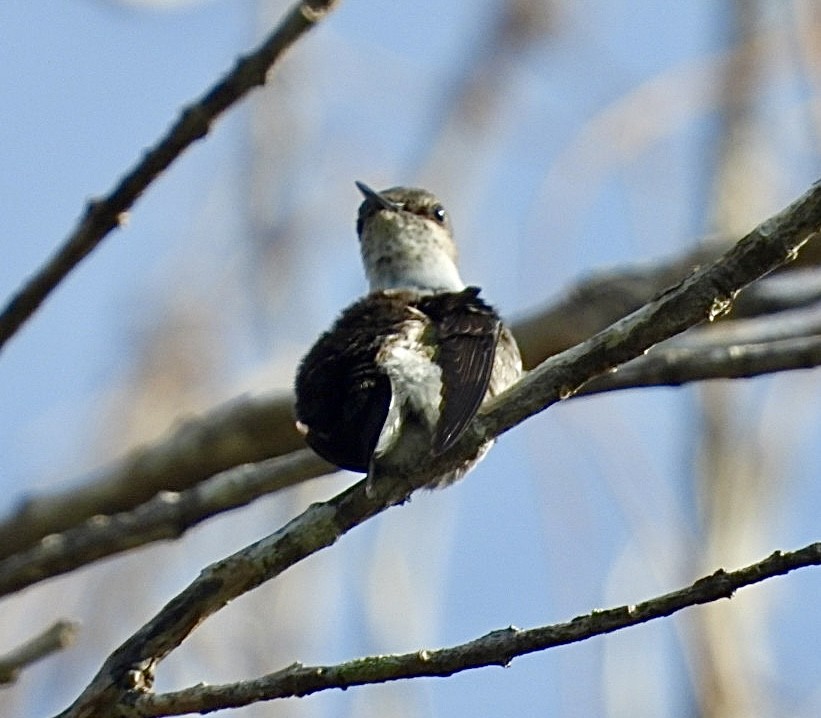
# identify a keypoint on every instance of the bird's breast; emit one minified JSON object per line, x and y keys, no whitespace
{"x":407,"y":357}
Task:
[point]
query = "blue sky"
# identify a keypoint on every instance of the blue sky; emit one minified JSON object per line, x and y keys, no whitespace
{"x":595,"y":147}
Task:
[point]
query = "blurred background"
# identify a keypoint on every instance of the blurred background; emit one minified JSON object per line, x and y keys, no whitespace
{"x":565,"y":138}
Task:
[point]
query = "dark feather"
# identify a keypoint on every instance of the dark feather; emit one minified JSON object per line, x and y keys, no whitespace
{"x":342,"y":396}
{"x":467,"y":333}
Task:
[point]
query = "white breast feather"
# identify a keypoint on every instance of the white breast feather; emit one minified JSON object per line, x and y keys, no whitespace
{"x":416,"y":381}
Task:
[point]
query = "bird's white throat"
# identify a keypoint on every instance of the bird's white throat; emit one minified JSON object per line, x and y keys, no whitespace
{"x":407,"y":252}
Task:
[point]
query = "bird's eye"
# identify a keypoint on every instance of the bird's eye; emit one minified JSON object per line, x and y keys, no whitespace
{"x":438,"y":212}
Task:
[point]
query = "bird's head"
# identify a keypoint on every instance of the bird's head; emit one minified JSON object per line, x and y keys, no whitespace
{"x":406,"y":241}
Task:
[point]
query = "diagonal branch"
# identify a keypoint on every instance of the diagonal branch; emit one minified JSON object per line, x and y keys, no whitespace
{"x":252,"y":429}
{"x":497,"y":648}
{"x":166,"y":516}
{"x":55,"y":638}
{"x":170,"y":514}
{"x":705,"y":294}
{"x":103,"y":215}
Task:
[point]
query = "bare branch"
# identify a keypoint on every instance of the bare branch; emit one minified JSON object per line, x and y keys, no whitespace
{"x":167,"y":516}
{"x":497,"y":648}
{"x":103,"y":215}
{"x":53,"y":639}
{"x":252,"y":429}
{"x":236,"y":433}
{"x":679,"y":365}
{"x":170,"y":514}
{"x":703,"y":295}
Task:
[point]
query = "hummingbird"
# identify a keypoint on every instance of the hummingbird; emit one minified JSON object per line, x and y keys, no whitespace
{"x":398,"y":377}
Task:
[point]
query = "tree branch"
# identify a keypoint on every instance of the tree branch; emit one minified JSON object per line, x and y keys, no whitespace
{"x":167,"y":516}
{"x":497,"y":648}
{"x":103,"y":215}
{"x":236,"y":433}
{"x":54,"y":638}
{"x":705,"y":294}
{"x":170,"y":514}
{"x":253,"y":429}
{"x":679,"y":365}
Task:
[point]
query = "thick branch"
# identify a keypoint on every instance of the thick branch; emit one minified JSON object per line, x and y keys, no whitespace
{"x":105,"y":214}
{"x":705,"y":294}
{"x":497,"y":648}
{"x":252,"y":429}
{"x":170,"y":514}
{"x":237,"y":433}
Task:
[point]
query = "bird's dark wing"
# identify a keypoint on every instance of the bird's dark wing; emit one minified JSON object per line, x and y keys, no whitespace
{"x":467,"y":332}
{"x":343,"y":415}
{"x":342,"y":396}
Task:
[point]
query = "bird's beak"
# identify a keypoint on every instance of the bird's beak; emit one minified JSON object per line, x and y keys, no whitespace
{"x":378,"y":199}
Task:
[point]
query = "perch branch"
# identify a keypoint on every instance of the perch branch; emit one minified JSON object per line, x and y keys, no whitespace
{"x":170,"y":514}
{"x":252,"y":429}
{"x":705,"y":294}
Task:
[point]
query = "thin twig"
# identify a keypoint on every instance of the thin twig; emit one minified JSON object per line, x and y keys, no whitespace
{"x":497,"y":648}
{"x":54,"y":638}
{"x":680,"y":365}
{"x":103,"y":215}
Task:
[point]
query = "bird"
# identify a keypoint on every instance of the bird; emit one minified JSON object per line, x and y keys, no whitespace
{"x":398,"y":377}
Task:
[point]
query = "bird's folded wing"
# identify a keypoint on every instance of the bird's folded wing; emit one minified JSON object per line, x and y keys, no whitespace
{"x":468,"y":330}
